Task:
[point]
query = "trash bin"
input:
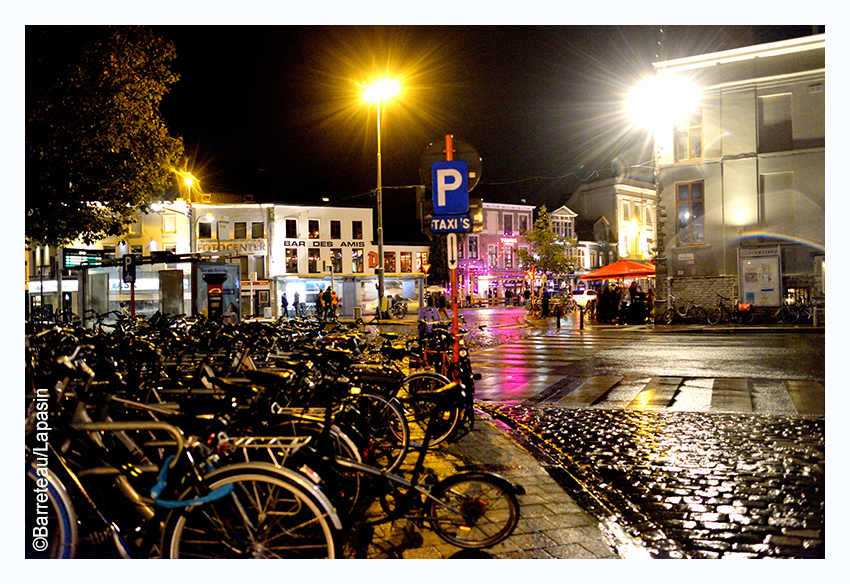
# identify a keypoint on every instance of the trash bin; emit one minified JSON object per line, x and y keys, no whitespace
{"x":358,"y":311}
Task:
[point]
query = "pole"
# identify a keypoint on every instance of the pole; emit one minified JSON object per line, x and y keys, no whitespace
{"x":455,"y":329}
{"x":380,"y":221}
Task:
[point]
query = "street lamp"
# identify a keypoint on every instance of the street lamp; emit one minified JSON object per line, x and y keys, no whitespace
{"x":379,"y":92}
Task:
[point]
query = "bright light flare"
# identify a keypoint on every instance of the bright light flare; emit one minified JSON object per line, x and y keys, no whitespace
{"x":381,"y":90}
{"x":662,"y":100}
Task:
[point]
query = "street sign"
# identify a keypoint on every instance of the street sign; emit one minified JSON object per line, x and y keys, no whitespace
{"x":128,"y":271}
{"x":451,"y":224}
{"x":450,"y":185}
{"x":451,"y":250}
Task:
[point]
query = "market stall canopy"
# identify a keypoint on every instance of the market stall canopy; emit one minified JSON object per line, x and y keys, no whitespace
{"x":621,"y":269}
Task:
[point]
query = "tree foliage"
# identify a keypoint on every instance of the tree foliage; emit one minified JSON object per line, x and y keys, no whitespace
{"x":97,"y":148}
{"x":547,"y":251}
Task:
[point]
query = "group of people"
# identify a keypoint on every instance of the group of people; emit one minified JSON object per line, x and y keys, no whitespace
{"x":327,"y":303}
{"x":624,"y":305}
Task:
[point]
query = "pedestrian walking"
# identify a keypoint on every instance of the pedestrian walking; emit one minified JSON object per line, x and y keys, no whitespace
{"x":320,"y":305}
{"x":284,"y":306}
{"x":334,"y":303}
{"x":326,"y":302}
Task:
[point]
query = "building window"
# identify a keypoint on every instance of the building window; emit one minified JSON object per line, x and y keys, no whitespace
{"x":258,"y":230}
{"x":493,"y":256}
{"x":508,"y":222}
{"x":243,"y":269}
{"x":291,"y":260}
{"x":421,"y":260}
{"x":522,"y":223}
{"x":389,"y":262}
{"x":336,"y":260}
{"x":460,"y":248}
{"x":406,"y":262}
{"x":313,"y":228}
{"x":775,"y":134}
{"x":690,"y":212}
{"x":509,"y":257}
{"x":240,"y":230}
{"x":259,"y":267}
{"x":313,"y":256}
{"x":356,"y":230}
{"x":169,"y":223}
{"x":357,"y":261}
{"x":473,"y":247}
{"x":689,"y":137}
{"x":336,"y":232}
{"x":291,"y":229}
{"x":205,"y":230}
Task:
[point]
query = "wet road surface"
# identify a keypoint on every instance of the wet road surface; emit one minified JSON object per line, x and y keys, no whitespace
{"x":696,"y":445}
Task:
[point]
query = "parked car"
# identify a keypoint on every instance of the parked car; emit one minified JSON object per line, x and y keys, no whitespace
{"x":584,"y":297}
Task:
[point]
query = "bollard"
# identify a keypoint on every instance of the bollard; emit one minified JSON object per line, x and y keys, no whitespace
{"x":558,"y":316}
{"x":581,"y":318}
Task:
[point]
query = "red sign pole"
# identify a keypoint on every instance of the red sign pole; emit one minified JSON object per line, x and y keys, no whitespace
{"x":455,"y":330}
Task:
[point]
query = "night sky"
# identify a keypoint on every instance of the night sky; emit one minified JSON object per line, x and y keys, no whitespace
{"x":536,"y":102}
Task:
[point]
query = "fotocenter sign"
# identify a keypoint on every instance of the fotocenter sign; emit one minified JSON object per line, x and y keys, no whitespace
{"x":239,"y":246}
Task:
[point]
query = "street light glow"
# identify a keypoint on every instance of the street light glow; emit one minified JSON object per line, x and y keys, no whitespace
{"x":381,"y":90}
{"x":662,"y":100}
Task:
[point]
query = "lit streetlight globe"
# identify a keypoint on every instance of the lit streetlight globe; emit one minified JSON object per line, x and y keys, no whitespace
{"x":380,"y":90}
{"x":662,"y":100}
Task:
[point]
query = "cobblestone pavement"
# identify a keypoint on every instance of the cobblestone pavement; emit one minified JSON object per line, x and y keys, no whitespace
{"x":691,"y":484}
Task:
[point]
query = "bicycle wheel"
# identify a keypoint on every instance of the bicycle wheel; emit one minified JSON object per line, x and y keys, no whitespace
{"x":419,"y":410}
{"x":716,"y":315}
{"x":342,"y":485}
{"x":268,"y":515}
{"x":473,"y":510}
{"x":697,"y":314}
{"x":669,"y":316}
{"x":789,"y":315}
{"x":746,"y":316}
{"x":51,"y":525}
{"x":387,"y":428}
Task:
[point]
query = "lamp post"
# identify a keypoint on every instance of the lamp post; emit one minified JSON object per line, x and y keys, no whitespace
{"x":378,"y":92}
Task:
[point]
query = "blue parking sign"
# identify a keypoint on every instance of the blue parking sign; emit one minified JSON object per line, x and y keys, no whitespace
{"x":450,"y":187}
{"x":128,"y":271}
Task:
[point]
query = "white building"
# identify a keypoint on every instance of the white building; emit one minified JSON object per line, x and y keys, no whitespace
{"x":743,"y":175}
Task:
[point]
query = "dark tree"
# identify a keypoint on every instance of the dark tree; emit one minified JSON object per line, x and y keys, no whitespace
{"x":97,"y":148}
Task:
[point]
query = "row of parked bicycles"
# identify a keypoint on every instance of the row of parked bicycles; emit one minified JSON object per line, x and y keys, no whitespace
{"x":184,"y":438}
{"x":726,"y":310}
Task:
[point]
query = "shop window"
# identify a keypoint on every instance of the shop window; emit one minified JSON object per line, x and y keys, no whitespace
{"x":406,"y":262}
{"x":336,"y":231}
{"x":690,"y":213}
{"x":313,"y":256}
{"x":291,"y":261}
{"x":357,"y":261}
{"x":688,"y":137}
{"x":421,"y":260}
{"x":389,"y":262}
{"x":336,"y":260}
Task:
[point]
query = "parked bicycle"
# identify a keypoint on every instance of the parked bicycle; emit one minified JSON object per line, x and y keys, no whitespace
{"x":683,"y":311}
{"x":740,"y":312}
